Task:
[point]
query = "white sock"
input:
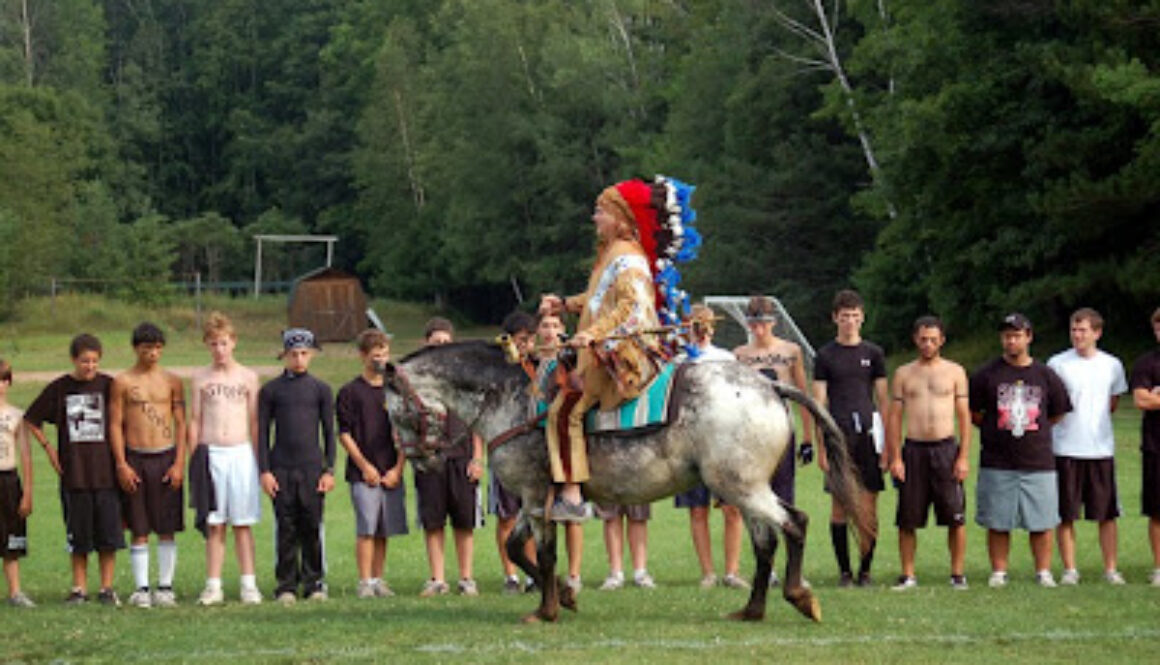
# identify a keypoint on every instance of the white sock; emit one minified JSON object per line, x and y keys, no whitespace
{"x":166,"y":562}
{"x":639,"y":573}
{"x":139,"y":559}
{"x":249,"y":582}
{"x":213,"y":583}
{"x":513,"y":578}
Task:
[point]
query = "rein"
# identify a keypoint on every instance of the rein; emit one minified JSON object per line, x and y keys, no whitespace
{"x":411,"y":399}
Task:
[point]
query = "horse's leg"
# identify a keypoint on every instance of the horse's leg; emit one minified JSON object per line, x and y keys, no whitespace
{"x":796,"y":593}
{"x":549,"y":608}
{"x":764,"y":544}
{"x":517,"y":552}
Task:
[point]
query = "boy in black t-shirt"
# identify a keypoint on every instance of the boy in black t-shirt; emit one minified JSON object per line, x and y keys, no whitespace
{"x":374,"y":468}
{"x":77,"y":404}
{"x":1145,"y":386}
{"x":849,"y":380}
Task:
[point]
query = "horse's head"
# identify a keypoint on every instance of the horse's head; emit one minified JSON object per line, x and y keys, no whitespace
{"x":418,"y":419}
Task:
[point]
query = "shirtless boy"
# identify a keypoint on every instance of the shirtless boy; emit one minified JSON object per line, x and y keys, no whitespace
{"x":930,"y":393}
{"x":147,"y":435}
{"x":224,"y":418}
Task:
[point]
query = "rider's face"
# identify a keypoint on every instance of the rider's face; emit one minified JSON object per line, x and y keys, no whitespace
{"x":607,"y":224}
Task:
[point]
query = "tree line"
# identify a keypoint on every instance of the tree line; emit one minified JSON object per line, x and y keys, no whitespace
{"x":955,"y":156}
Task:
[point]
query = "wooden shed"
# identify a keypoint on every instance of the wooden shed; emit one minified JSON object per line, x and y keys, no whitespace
{"x":329,"y":302}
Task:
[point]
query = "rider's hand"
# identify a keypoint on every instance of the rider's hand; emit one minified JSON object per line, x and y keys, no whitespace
{"x":581,"y":340}
{"x":551,"y":304}
{"x":806,"y":452}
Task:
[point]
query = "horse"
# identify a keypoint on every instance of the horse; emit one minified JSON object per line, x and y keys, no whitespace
{"x":730,"y":428}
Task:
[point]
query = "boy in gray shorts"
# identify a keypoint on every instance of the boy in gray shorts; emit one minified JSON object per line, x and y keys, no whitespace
{"x":374,"y":469}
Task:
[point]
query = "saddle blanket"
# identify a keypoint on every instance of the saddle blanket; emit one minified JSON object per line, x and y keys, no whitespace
{"x":647,"y":410}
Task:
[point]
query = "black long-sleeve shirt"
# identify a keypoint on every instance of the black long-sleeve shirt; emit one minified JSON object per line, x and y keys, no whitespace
{"x":297,"y":405}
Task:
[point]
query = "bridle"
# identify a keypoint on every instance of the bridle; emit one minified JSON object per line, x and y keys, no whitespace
{"x":430,"y":440}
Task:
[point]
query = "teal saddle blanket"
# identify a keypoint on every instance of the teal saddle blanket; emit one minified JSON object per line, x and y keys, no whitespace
{"x":648,"y":410}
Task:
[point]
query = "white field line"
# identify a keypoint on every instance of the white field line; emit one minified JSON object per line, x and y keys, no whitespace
{"x":604,"y":646}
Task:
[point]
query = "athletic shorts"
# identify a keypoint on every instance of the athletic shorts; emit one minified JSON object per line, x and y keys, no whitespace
{"x":155,"y":507}
{"x":783,"y":478}
{"x":448,"y":494}
{"x":698,"y":497}
{"x":930,"y":480}
{"x":636,"y":513}
{"x":1089,"y":484}
{"x":238,"y":497}
{"x":1150,"y":490}
{"x":379,"y":512}
{"x":1007,"y":500}
{"x":865,"y":458}
{"x":13,"y":527}
{"x":500,"y":502}
{"x":94,"y":521}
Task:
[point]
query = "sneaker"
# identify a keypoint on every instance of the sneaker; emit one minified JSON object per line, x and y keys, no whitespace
{"x":864,"y":580}
{"x":1069,"y":577}
{"x":1154,"y":578}
{"x":566,"y":511}
{"x":286,"y":598}
{"x":709,"y":581}
{"x":613,"y":582}
{"x":76,"y":597}
{"x":998,"y":579}
{"x":1114,"y":578}
{"x":211,"y":597}
{"x":959,"y":582}
{"x":732,"y":581}
{"x":319,"y":595}
{"x":366,"y":589}
{"x":164,"y":597}
{"x":574,"y":584}
{"x":530,"y":585}
{"x":468,"y":588}
{"x":20,"y":600}
{"x":845,"y":580}
{"x":644,"y":581}
{"x":108,"y":597}
{"x":141,"y":598}
{"x":434,"y":588}
{"x":1044,"y":579}
{"x":905,"y":583}
{"x":250,"y":596}
{"x":512,"y":586}
{"x":382,"y":590}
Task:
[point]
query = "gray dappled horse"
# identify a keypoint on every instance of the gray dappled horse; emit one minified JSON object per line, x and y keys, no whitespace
{"x":730,"y":429}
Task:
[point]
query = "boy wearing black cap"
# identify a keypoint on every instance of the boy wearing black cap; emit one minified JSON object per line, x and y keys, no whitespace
{"x":295,"y":472}
{"x":1014,"y":401}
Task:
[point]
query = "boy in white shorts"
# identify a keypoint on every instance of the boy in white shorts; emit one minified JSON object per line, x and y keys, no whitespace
{"x":223,"y":426}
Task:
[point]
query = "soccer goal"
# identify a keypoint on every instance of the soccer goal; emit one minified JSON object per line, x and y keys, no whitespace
{"x":733,"y":331}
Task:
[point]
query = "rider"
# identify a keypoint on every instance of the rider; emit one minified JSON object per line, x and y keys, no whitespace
{"x":617,"y":307}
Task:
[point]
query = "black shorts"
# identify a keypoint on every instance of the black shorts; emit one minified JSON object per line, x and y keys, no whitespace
{"x":1150,"y":490}
{"x":94,"y":521}
{"x":448,"y":493}
{"x":783,"y":478}
{"x":155,"y":507}
{"x":1089,"y":484}
{"x":930,"y":480}
{"x":502,"y":503}
{"x":865,"y":459}
{"x":13,"y":527}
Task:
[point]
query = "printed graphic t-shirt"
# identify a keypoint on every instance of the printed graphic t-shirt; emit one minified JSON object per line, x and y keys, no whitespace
{"x":1017,"y":404}
{"x":80,"y":412}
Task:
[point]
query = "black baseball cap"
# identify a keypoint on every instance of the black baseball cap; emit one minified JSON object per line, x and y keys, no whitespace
{"x":1015,"y":321}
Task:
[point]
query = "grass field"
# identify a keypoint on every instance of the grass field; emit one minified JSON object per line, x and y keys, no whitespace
{"x":676,"y":623}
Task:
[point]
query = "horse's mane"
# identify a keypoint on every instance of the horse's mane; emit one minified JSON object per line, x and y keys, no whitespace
{"x":468,"y":362}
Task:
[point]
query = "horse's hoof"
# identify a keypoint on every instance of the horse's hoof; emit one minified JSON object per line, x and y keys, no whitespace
{"x":806,"y":603}
{"x":746,"y":614}
{"x":537,"y":617}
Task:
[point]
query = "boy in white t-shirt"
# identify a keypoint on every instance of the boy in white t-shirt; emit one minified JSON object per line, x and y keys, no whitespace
{"x":1084,"y":445}
{"x":15,"y":497}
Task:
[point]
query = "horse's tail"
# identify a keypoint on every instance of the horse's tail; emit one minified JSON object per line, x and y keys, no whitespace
{"x":844,"y":483}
